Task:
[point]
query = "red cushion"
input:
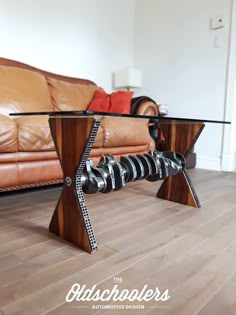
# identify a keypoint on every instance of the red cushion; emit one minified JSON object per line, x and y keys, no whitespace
{"x":100,"y":102}
{"x":121,"y":101}
{"x":116,"y":102}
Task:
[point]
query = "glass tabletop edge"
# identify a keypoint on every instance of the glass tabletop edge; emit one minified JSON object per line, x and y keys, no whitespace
{"x":94,"y":113}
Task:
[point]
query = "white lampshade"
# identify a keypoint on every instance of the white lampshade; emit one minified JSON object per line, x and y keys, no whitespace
{"x":128,"y":78}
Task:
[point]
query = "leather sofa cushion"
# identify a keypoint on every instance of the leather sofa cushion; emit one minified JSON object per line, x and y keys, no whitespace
{"x":117,"y":151}
{"x":34,"y":133}
{"x":70,"y":96}
{"x":36,"y":156}
{"x":99,"y":140}
{"x":120,"y":131}
{"x":36,"y":172}
{"x":8,"y":135}
{"x":9,"y":176}
{"x":23,"y":90}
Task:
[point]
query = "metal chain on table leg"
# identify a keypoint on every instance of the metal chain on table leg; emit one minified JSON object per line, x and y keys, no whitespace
{"x":192,"y":188}
{"x":78,"y":184}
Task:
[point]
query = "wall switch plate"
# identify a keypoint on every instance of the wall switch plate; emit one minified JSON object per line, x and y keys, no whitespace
{"x":218,"y":41}
{"x":217,"y":22}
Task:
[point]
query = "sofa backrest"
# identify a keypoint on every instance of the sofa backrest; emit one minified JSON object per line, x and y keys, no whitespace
{"x":70,"y":96}
{"x":23,"y":91}
{"x":24,"y":88}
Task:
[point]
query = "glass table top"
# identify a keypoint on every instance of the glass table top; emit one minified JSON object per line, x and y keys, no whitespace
{"x":85,"y":113}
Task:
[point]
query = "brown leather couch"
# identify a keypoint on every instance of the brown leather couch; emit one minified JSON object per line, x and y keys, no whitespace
{"x":27,"y":154}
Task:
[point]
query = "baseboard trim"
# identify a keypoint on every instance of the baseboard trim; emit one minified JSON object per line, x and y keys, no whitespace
{"x":228,"y":163}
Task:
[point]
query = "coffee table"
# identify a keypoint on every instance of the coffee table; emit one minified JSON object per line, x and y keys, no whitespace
{"x":74,"y":133}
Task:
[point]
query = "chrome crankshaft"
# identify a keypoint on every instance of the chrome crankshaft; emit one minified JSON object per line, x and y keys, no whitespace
{"x":111,"y":175}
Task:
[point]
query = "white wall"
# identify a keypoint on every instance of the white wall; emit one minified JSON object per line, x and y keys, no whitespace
{"x":169,"y":40}
{"x":81,"y":38}
{"x":174,"y":47}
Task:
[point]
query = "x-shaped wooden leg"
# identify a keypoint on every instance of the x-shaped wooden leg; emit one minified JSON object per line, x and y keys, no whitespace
{"x":180,"y":138}
{"x":73,"y":138}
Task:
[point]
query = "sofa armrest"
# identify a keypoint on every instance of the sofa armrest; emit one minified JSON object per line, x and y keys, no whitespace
{"x":144,"y":105}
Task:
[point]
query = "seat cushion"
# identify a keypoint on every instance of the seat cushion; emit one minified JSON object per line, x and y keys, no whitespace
{"x":34,"y":133}
{"x":9,"y":176}
{"x":120,"y":131}
{"x":8,"y":135}
{"x":23,"y":90}
{"x":70,"y":96}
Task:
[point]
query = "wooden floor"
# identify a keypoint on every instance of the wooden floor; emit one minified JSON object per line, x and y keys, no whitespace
{"x":142,"y":240}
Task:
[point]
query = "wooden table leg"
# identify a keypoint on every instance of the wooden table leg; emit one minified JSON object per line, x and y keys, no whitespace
{"x":73,"y":138}
{"x":180,"y":138}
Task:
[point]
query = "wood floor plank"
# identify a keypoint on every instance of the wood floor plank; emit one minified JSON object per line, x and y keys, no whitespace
{"x":41,"y":249}
{"x":27,"y":269}
{"x":141,"y":272}
{"x":183,"y":218}
{"x":142,"y":239}
{"x":9,"y":261}
{"x":102,"y":270}
{"x":203,"y":253}
{"x":223,"y":302}
{"x":200,"y":280}
{"x":39,"y":280}
{"x":22,"y":243}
